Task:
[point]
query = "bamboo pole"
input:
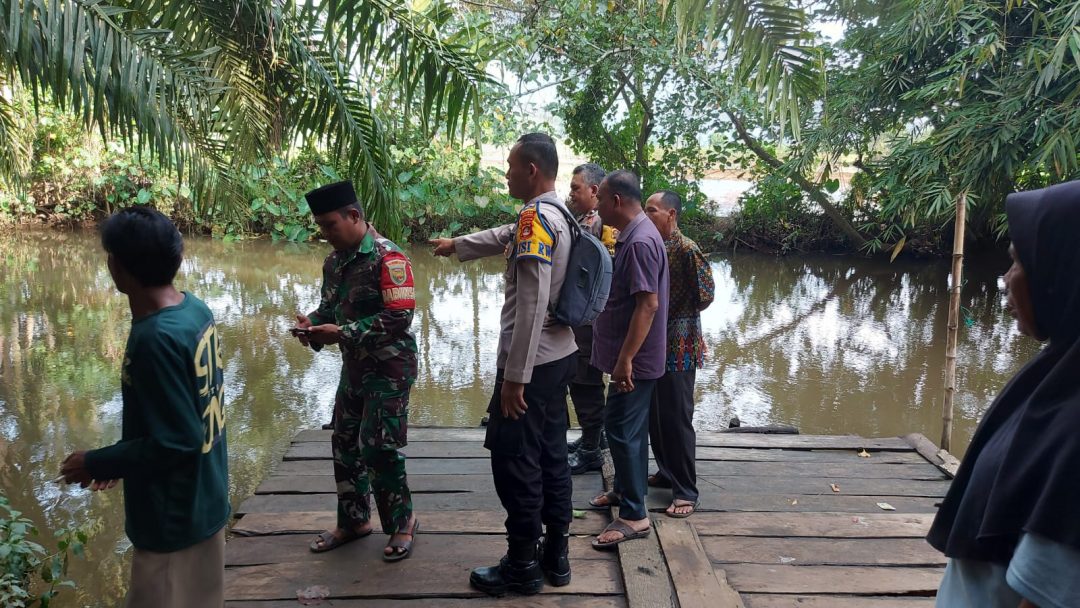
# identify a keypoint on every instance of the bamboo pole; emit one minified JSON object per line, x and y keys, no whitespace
{"x":954,"y":321}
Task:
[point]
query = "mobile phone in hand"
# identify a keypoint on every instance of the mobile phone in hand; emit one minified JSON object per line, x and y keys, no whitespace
{"x":300,"y":331}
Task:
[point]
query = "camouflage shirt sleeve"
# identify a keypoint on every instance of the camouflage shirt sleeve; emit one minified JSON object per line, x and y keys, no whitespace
{"x":325,"y":312}
{"x":399,"y":301}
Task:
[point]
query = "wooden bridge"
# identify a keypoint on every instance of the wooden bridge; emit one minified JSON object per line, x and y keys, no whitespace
{"x":785,"y":521}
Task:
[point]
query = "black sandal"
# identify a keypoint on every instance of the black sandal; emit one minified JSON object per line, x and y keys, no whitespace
{"x":402,"y":548}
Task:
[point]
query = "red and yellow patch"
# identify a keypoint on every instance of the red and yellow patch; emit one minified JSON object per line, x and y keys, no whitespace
{"x":398,"y":289}
{"x":534,"y":238}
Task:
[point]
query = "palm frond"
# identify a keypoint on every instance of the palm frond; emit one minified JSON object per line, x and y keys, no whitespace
{"x":16,"y":135}
{"x":769,"y":43}
{"x":129,"y":83}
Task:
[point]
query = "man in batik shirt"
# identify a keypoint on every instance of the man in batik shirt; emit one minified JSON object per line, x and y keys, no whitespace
{"x":671,"y":417}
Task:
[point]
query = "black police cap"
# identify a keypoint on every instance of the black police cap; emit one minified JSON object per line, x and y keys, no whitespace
{"x":330,"y":197}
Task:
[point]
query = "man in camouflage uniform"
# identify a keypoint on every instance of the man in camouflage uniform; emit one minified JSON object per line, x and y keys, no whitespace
{"x":367,"y":306}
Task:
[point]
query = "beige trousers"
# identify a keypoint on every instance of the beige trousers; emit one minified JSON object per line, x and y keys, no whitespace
{"x":189,"y":578}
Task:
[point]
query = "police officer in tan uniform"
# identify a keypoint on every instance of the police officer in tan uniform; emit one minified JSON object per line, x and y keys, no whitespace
{"x":537,"y":358}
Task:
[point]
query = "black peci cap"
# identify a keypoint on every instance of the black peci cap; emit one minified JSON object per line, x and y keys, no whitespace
{"x":330,"y":197}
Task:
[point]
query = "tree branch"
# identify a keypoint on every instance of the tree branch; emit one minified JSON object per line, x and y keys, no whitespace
{"x":806,"y":185}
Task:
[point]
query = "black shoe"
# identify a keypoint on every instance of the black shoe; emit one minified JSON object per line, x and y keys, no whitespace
{"x":518,"y":571}
{"x":583,"y":461}
{"x":573,"y":446}
{"x":554,"y":556}
{"x":329,"y":426}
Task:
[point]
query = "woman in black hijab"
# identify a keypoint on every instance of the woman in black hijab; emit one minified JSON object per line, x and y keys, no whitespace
{"x":1010,"y":523}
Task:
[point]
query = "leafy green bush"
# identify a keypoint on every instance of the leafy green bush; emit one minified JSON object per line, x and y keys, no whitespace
{"x":444,"y":191}
{"x":775,"y":216}
{"x":29,"y":574}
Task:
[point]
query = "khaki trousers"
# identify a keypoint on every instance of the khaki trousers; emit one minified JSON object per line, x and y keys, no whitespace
{"x":189,"y":578}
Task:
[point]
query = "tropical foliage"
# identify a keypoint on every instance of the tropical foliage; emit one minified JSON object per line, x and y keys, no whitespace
{"x":29,"y":574}
{"x":207,"y":86}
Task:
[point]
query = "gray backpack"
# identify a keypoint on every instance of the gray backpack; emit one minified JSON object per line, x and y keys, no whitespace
{"x":588,"y":277}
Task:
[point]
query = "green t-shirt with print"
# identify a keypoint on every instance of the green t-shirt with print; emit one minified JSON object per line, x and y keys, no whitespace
{"x":172,"y":455}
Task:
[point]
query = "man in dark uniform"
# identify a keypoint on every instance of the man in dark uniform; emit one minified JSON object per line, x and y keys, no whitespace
{"x":367,"y":306}
{"x":587,"y":387}
{"x":527,"y":429}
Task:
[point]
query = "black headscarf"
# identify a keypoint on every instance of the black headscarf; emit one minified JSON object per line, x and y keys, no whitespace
{"x":1022,"y":470}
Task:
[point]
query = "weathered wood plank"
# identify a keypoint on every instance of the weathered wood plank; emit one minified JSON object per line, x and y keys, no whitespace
{"x":706,"y":468}
{"x":438,"y":522}
{"x":422,"y":575}
{"x":836,"y":503}
{"x":935,"y":455}
{"x":645,"y":572}
{"x":835,"y":525}
{"x":835,"y":601}
{"x":696,"y":584}
{"x":823,"y":485}
{"x":249,"y":551}
{"x":704,"y":453}
{"x":511,"y":601}
{"x":437,"y":501}
{"x":707,"y":485}
{"x":802,"y":442}
{"x":720,"y":440}
{"x":324,"y":484}
{"x":320,"y":450}
{"x":822,"y":551}
{"x":753,"y":578}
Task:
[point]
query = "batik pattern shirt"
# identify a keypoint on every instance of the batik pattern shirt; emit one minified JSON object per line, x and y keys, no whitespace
{"x":692,"y":291}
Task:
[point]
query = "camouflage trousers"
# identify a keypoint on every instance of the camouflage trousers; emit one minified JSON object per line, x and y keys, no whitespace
{"x":370,"y":425}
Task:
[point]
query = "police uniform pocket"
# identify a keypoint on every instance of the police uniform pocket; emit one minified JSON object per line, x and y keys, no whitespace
{"x":504,"y":436}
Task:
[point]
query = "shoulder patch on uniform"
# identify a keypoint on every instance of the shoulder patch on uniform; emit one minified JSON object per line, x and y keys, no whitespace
{"x":534,"y":236}
{"x":396,"y":282}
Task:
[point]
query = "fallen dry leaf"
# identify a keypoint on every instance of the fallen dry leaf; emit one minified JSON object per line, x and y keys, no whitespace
{"x":312,"y":596}
{"x":835,"y":488}
{"x":864,"y":454}
{"x":886,"y":506}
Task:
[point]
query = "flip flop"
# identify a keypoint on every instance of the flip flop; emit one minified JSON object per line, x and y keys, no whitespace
{"x":621,"y":527}
{"x":686,"y":503}
{"x":404,"y":545}
{"x":656,"y":480}
{"x":329,"y":541}
{"x":611,"y":497}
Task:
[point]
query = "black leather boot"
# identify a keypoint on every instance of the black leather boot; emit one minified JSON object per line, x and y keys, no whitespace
{"x":554,"y":556}
{"x":518,"y":571}
{"x":583,"y":461}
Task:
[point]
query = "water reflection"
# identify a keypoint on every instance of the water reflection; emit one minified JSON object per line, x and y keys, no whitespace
{"x":830,"y":345}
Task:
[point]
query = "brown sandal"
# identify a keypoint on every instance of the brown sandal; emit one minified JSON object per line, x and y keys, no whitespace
{"x":656,"y":480}
{"x":675,"y":504}
{"x":623,"y":528}
{"x":612,"y":499}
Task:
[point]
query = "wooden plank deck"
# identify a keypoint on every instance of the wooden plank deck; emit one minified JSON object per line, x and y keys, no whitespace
{"x":785,"y":521}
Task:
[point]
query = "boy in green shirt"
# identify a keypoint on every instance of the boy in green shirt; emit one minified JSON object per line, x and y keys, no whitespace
{"x":172,"y":452}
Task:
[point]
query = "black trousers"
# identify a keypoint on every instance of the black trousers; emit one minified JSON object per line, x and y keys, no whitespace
{"x":528,"y":455}
{"x":671,"y":432}
{"x":587,"y":387}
